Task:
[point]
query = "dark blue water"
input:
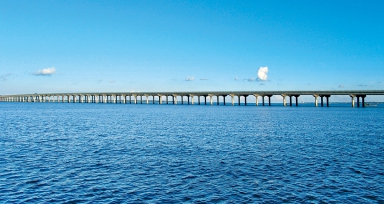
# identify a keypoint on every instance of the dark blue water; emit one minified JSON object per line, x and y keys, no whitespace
{"x":112,"y":153}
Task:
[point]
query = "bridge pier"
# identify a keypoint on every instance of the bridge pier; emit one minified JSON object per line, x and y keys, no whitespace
{"x":210,"y":99}
{"x":297,"y":100}
{"x":362,"y":100}
{"x":245,"y":100}
{"x":269,"y":100}
{"x":257,"y":99}
{"x":192,"y":98}
{"x":316,"y":102}
{"x":353,"y":100}
{"x":262,"y":98}
{"x":284,"y":100}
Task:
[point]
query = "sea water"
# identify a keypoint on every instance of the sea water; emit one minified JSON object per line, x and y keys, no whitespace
{"x":125,"y":153}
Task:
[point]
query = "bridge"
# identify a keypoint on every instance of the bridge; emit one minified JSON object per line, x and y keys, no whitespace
{"x":137,"y":97}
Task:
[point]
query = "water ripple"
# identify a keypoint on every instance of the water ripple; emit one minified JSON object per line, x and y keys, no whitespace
{"x":111,"y":153}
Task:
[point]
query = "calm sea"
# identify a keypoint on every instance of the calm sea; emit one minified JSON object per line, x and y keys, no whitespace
{"x":122,"y":153}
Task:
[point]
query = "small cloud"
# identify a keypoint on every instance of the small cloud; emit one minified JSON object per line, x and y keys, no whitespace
{"x":251,"y":79}
{"x":203,"y":79}
{"x":45,"y":72}
{"x":189,"y":78}
{"x":112,"y":81}
{"x":5,"y":77}
{"x":361,"y":85}
{"x":262,"y":74}
{"x":341,"y":86}
{"x":261,"y":84}
{"x":236,"y":78}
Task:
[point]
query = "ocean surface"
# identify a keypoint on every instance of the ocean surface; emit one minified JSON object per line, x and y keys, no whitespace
{"x":122,"y":153}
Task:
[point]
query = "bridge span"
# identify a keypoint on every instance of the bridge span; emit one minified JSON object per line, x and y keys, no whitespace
{"x":158,"y":97}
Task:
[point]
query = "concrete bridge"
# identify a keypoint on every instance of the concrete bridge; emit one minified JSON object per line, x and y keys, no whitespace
{"x":137,"y":97}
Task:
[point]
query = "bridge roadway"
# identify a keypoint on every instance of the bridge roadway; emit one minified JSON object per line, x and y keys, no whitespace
{"x":116,"y":97}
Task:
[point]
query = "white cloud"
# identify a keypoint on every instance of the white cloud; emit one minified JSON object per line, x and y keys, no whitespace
{"x":112,"y":81}
{"x":5,"y":76}
{"x":189,"y":78}
{"x":45,"y":72}
{"x":236,"y":78}
{"x":251,"y":79}
{"x":203,"y":79}
{"x":262,"y":73}
{"x":341,"y":86}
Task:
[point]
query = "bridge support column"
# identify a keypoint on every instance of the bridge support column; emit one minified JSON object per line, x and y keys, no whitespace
{"x":297,"y":100}
{"x":192,"y":98}
{"x":146,"y":99}
{"x":284,"y":100}
{"x":316,"y":102}
{"x":218,"y":100}
{"x":290,"y":100}
{"x":262,"y":97}
{"x":238,"y":100}
{"x":160,"y":99}
{"x":153,"y":99}
{"x":210,"y":99}
{"x":245,"y":100}
{"x":233,"y":99}
{"x":269,"y":100}
{"x":257,"y":99}
{"x":174,"y":98}
{"x":223,"y":99}
{"x":353,"y":100}
{"x":205,"y":100}
{"x":362,"y":100}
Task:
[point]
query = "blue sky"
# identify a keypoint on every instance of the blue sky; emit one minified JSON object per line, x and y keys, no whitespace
{"x":97,"y":46}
